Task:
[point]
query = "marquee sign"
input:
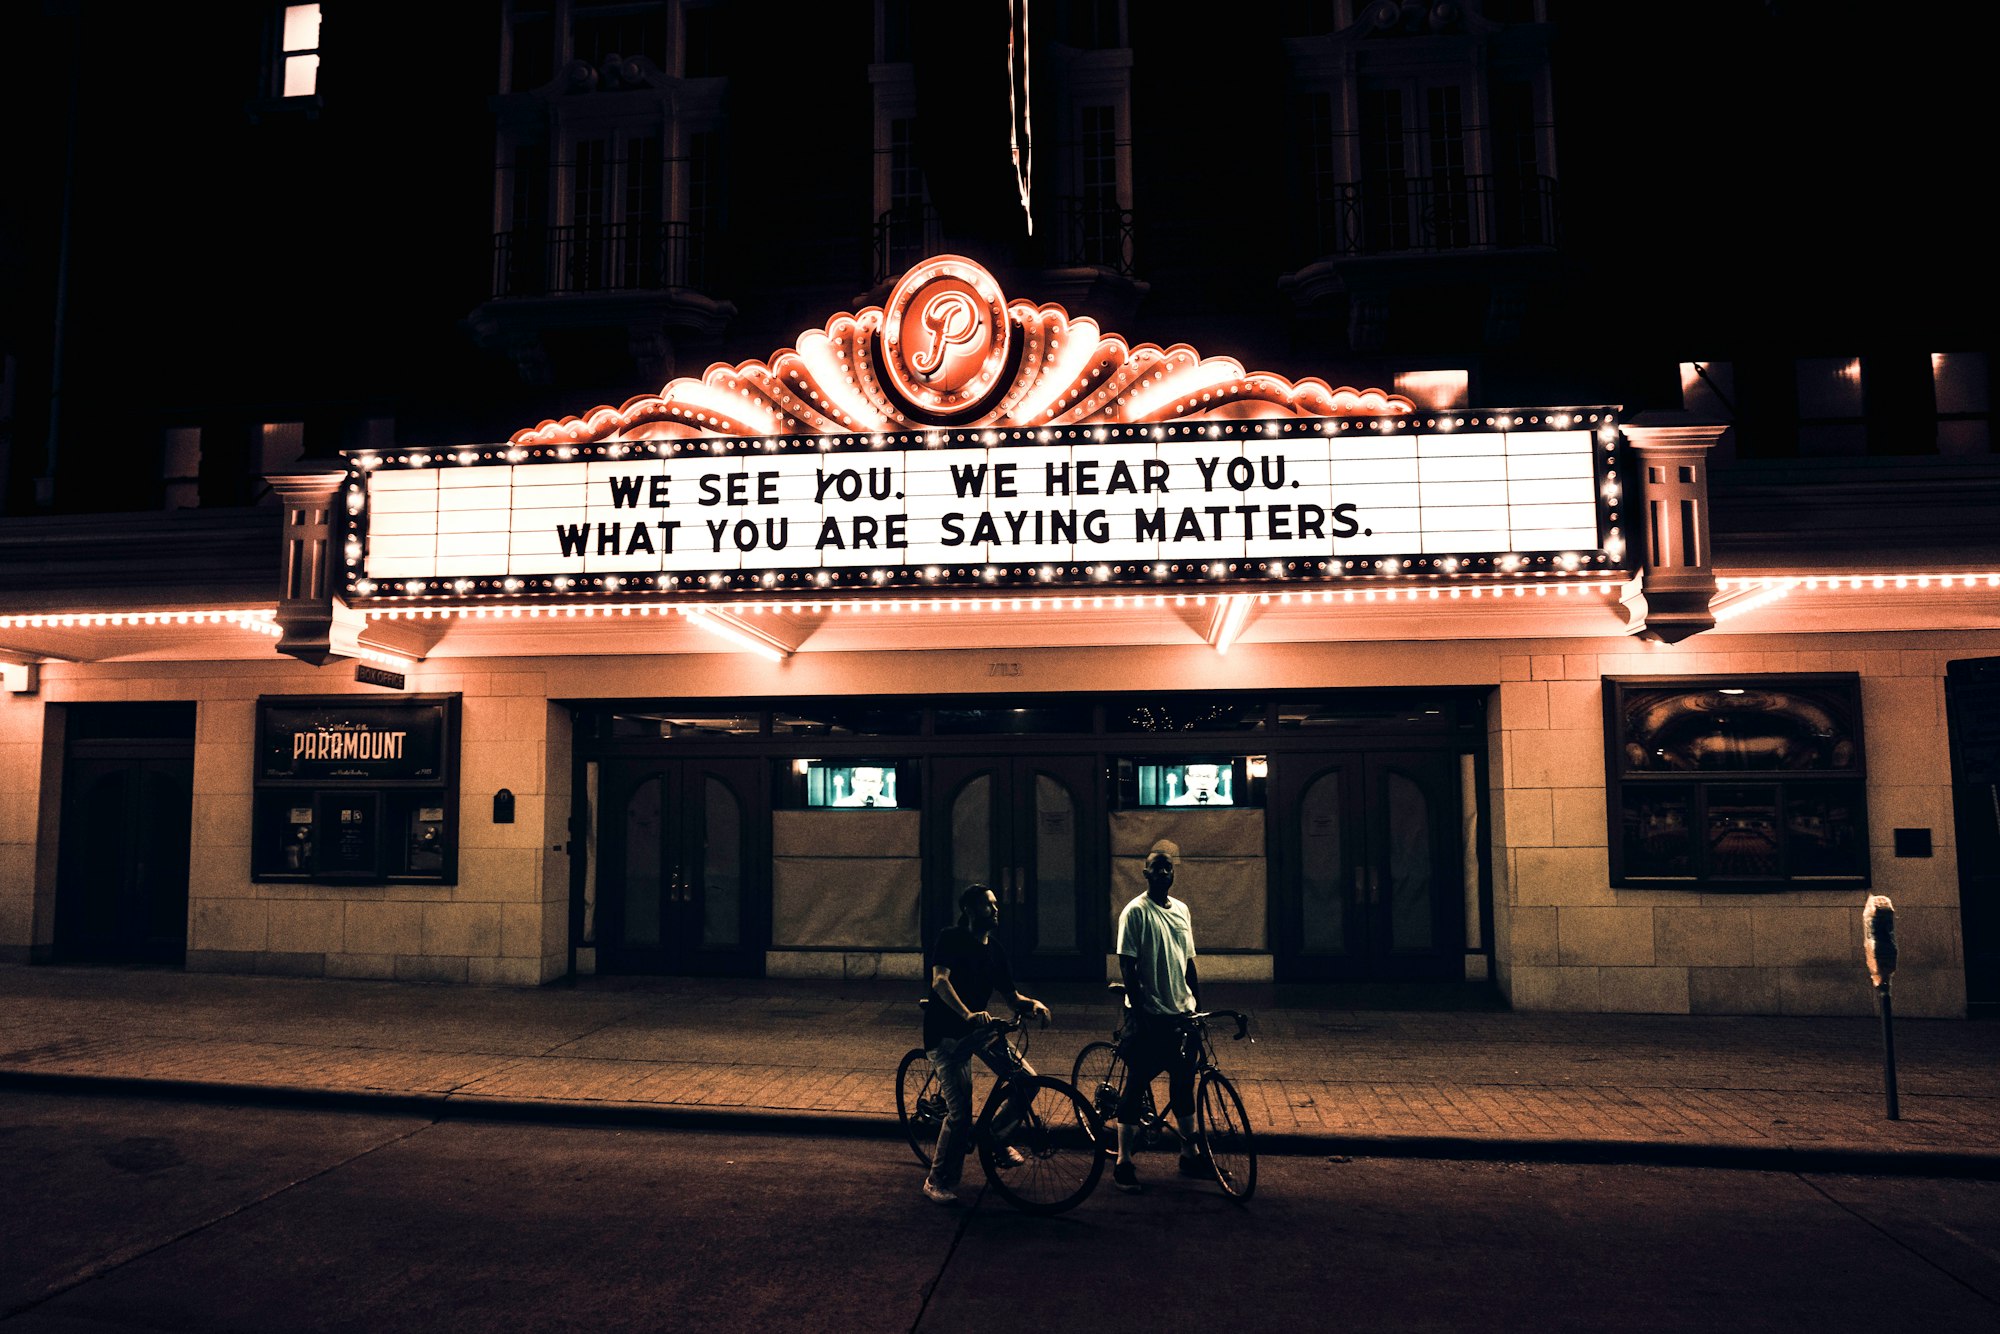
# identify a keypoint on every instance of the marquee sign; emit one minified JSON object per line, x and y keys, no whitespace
{"x":949,"y":439}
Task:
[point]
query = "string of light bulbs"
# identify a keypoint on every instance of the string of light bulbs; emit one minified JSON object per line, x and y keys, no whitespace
{"x":264,"y":620}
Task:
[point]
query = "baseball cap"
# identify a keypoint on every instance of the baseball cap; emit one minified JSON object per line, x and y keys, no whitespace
{"x":1165,"y":847}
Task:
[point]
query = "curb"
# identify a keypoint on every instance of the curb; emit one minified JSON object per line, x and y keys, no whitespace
{"x":1968,"y":1164}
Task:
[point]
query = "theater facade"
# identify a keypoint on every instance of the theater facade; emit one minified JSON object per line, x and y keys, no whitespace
{"x":749,"y":676}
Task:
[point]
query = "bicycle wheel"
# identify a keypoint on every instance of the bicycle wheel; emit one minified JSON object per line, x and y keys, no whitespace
{"x":1100,"y":1074}
{"x":919,"y":1104}
{"x":1222,"y":1129}
{"x":1100,"y":1077}
{"x":1059,"y":1142}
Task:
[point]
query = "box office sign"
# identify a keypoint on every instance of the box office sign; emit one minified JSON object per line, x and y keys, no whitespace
{"x":1496,"y":493}
{"x":366,"y":742}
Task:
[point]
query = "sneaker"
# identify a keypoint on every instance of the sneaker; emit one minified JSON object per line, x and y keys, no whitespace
{"x":1009,"y":1156}
{"x":1125,"y":1176}
{"x":937,"y":1194}
{"x":1197,"y":1165}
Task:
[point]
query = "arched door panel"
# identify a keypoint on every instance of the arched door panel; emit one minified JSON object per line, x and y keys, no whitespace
{"x":678,"y":872}
{"x":1370,"y":873}
{"x":1024,"y":826}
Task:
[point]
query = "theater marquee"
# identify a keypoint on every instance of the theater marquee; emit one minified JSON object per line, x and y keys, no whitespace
{"x":845,"y":469}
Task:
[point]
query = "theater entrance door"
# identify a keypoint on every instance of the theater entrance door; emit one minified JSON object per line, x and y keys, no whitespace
{"x":681,"y":866}
{"x":127,"y":815}
{"x":1032,"y":828}
{"x":1371,"y":874}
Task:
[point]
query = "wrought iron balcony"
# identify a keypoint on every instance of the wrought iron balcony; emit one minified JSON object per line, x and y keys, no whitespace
{"x":1084,"y":233}
{"x":600,"y":257}
{"x":1073,"y":232}
{"x":903,"y":236}
{"x":1434,"y":215}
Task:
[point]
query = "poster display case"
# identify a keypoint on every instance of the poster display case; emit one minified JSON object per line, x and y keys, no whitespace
{"x":356,"y":791}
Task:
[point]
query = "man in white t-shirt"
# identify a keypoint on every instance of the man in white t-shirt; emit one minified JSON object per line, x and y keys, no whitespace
{"x":1156,"y":957}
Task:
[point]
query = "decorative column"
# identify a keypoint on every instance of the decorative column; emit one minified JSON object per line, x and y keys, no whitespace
{"x":1669,"y":598}
{"x":309,"y":562}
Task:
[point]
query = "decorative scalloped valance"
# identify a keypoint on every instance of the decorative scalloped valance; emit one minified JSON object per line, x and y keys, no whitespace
{"x":947,"y":348}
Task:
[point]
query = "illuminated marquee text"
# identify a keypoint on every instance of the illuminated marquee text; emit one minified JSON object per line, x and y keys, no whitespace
{"x":360,"y":744}
{"x":1135,"y":499}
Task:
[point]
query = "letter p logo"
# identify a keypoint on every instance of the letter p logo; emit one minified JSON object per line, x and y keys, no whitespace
{"x":949,"y":318}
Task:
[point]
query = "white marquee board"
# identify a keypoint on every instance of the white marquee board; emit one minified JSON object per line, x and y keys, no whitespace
{"x":1334,"y":496}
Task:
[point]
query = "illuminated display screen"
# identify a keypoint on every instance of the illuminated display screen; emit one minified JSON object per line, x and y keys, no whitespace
{"x":851,"y":786}
{"x":1292,"y":498}
{"x":1195,"y":784}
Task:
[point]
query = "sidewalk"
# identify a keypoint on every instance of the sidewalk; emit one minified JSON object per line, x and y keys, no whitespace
{"x":1751,"y":1092}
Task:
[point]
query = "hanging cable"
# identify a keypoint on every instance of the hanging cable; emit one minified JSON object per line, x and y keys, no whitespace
{"x":1020,"y":120}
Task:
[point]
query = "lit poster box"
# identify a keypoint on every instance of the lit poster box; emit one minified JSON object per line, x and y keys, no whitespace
{"x":850,"y":786}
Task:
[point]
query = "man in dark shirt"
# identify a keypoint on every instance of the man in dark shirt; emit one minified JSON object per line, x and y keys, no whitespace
{"x":965,"y":966}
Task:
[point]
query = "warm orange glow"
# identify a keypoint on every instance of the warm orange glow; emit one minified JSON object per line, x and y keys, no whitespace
{"x":940,"y":351}
{"x":301,"y":28}
{"x":1436,"y":390}
{"x":301,"y":50}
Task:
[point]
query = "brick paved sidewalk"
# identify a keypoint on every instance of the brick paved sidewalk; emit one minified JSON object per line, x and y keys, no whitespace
{"x":1755,"y":1091}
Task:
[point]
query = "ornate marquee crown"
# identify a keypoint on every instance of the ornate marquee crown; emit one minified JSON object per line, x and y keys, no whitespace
{"x":948,"y":348}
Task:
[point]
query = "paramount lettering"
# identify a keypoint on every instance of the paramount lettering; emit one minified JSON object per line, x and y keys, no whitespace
{"x":360,"y":744}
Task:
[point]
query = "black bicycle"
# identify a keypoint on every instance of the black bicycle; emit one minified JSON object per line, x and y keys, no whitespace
{"x":1221,"y":1126}
{"x":1040,"y":1142}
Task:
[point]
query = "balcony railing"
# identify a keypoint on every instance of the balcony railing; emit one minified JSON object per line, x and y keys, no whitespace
{"x":600,"y":257}
{"x":1434,"y":214}
{"x":1086,"y":234}
{"x":904,"y":235}
{"x":1073,"y":232}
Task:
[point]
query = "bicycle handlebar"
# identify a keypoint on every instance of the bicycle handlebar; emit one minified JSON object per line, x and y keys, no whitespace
{"x":1242,"y":1020}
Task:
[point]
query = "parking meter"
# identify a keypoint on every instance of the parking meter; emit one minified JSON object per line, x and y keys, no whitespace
{"x":1878,"y":946}
{"x":1878,"y":940}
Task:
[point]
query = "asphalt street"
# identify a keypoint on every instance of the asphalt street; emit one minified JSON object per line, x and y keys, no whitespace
{"x":142,"y":1214}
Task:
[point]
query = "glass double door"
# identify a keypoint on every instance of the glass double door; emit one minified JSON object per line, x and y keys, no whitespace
{"x":1031,"y":828}
{"x":681,"y":866}
{"x":1372,"y":878}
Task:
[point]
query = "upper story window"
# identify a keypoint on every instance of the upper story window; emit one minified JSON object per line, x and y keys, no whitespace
{"x":1964,"y":402}
{"x":1411,"y":142}
{"x":1095,"y":25}
{"x":905,"y":227}
{"x":298,"y":51}
{"x":1310,"y":18}
{"x":894,"y":44}
{"x":1900,"y":404}
{"x":1083,"y":138}
{"x":680,"y":38}
{"x":701,"y":42}
{"x":600,"y":30}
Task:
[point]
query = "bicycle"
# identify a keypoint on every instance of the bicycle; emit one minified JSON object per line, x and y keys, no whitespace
{"x":1054,"y":1134}
{"x":920,"y":1106}
{"x":1221,"y":1126}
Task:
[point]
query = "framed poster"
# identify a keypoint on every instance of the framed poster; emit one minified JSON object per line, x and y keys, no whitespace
{"x":350,"y":841}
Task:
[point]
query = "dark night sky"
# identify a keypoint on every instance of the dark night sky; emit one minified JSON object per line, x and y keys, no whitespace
{"x":1735,"y":175}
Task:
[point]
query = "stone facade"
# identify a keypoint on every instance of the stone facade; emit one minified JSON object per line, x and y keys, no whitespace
{"x":1570,"y":941}
{"x":1564,"y":938}
{"x":506,"y":921}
